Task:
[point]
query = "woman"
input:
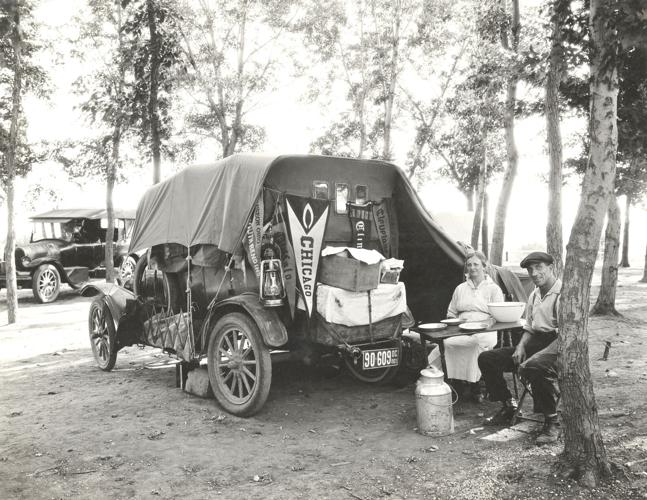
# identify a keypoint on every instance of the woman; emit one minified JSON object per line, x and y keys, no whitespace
{"x":469,"y":302}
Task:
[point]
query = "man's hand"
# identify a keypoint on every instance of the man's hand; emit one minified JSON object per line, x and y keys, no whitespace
{"x":519,"y":355}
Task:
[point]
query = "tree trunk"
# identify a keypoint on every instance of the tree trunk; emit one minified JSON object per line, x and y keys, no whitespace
{"x":361,"y":104}
{"x":476,"y":223}
{"x":10,"y":158}
{"x":644,"y":278}
{"x":469,"y":197}
{"x":498,"y":233}
{"x":392,"y":82}
{"x":153,"y":116}
{"x":554,"y":237}
{"x":625,"y":235}
{"x":480,"y":191}
{"x":584,"y":453}
{"x":10,"y":253}
{"x":485,"y":244}
{"x":362,"y":125}
{"x":606,"y":302}
{"x":111,"y":174}
{"x":236,"y":127}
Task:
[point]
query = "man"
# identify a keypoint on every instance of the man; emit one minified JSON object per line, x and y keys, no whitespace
{"x":535,"y":355}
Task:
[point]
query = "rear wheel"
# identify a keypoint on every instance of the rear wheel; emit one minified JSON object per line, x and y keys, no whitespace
{"x":103,"y":337}
{"x":46,"y":283}
{"x":240,"y":366}
{"x":375,"y":375}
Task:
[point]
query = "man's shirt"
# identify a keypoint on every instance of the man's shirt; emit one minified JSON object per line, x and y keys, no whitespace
{"x":541,"y":312}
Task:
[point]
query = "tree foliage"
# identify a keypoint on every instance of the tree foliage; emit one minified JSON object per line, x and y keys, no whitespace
{"x":363,"y":49}
{"x":152,"y":35}
{"x":235,"y":51}
{"x":33,"y":81}
{"x":18,"y":75}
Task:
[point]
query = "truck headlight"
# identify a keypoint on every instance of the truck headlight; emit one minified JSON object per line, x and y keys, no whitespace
{"x":25,"y":261}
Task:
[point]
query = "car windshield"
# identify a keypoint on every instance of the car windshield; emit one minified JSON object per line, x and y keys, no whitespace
{"x":42,"y":230}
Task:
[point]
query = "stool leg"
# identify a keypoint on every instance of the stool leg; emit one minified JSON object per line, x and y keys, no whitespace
{"x":517,"y":414}
{"x":514,"y":383}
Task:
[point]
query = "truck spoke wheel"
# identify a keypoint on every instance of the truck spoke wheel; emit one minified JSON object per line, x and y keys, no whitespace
{"x":101,"y":329}
{"x":240,"y":368}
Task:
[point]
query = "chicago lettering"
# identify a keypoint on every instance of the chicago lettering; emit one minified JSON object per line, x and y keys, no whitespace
{"x":307,"y":260}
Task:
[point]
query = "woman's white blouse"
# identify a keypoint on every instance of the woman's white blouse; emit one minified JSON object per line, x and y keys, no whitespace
{"x":470,"y":301}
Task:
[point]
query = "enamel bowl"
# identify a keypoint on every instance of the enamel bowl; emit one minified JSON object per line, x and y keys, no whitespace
{"x":506,"y":312}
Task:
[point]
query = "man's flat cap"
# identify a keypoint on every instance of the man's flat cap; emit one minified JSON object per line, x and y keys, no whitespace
{"x":535,"y":257}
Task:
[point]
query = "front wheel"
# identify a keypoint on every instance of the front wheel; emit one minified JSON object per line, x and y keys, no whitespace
{"x":240,"y":366}
{"x":375,"y":375}
{"x":46,"y":283}
{"x":103,"y":337}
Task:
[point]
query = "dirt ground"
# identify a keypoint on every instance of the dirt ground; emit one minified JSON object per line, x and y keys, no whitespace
{"x":69,"y":430}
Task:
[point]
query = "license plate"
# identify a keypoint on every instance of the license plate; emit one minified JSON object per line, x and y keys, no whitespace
{"x":380,"y":358}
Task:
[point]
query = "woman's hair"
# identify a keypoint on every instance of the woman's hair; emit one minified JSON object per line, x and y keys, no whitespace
{"x":481,"y":256}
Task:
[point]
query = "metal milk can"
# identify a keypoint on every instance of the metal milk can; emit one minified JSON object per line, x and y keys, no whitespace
{"x":434,"y":403}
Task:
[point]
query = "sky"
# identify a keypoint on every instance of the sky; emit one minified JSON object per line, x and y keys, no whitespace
{"x":291,"y":125}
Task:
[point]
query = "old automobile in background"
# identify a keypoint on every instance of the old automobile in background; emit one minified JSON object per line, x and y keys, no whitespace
{"x":256,"y":259}
{"x":68,"y":246}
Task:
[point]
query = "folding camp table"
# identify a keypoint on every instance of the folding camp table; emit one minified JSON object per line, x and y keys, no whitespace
{"x":438,"y":336}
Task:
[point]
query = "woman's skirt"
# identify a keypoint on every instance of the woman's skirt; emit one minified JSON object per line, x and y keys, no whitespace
{"x":461,"y":355}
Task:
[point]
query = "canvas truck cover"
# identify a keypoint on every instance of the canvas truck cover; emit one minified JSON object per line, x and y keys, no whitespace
{"x":203,"y":204}
{"x":211,"y":204}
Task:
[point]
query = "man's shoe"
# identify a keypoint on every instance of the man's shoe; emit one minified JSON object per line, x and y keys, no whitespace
{"x":550,"y":432}
{"x":504,"y":415}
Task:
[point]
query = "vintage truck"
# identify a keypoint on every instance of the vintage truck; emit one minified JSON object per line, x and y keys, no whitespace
{"x":234,"y":274}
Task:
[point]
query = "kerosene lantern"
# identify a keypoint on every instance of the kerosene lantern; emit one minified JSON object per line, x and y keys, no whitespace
{"x":272,"y":286}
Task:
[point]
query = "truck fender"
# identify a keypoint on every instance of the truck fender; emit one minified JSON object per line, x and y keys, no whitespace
{"x":269,"y":324}
{"x":65,"y":278}
{"x":114,"y":296}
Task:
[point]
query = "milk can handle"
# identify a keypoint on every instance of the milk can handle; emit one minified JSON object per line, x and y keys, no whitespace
{"x":450,"y":404}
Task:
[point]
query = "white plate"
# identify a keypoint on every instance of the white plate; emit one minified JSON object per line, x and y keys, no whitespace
{"x":477,"y":325}
{"x":431,"y":327}
{"x":452,"y":321}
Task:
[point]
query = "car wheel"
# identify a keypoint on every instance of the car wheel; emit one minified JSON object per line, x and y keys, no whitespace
{"x":126,"y":271}
{"x":46,"y":283}
{"x":158,"y":285}
{"x":103,"y":337}
{"x":373,"y":376}
{"x":139,"y":272}
{"x":240,"y":366}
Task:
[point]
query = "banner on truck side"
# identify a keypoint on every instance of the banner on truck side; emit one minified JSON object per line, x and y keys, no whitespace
{"x":307,"y":219}
{"x":360,"y":223}
{"x":254,"y":236}
{"x":387,"y":227}
{"x":280,"y":232}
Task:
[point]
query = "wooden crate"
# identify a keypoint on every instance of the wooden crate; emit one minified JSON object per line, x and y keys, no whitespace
{"x":349,"y":274}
